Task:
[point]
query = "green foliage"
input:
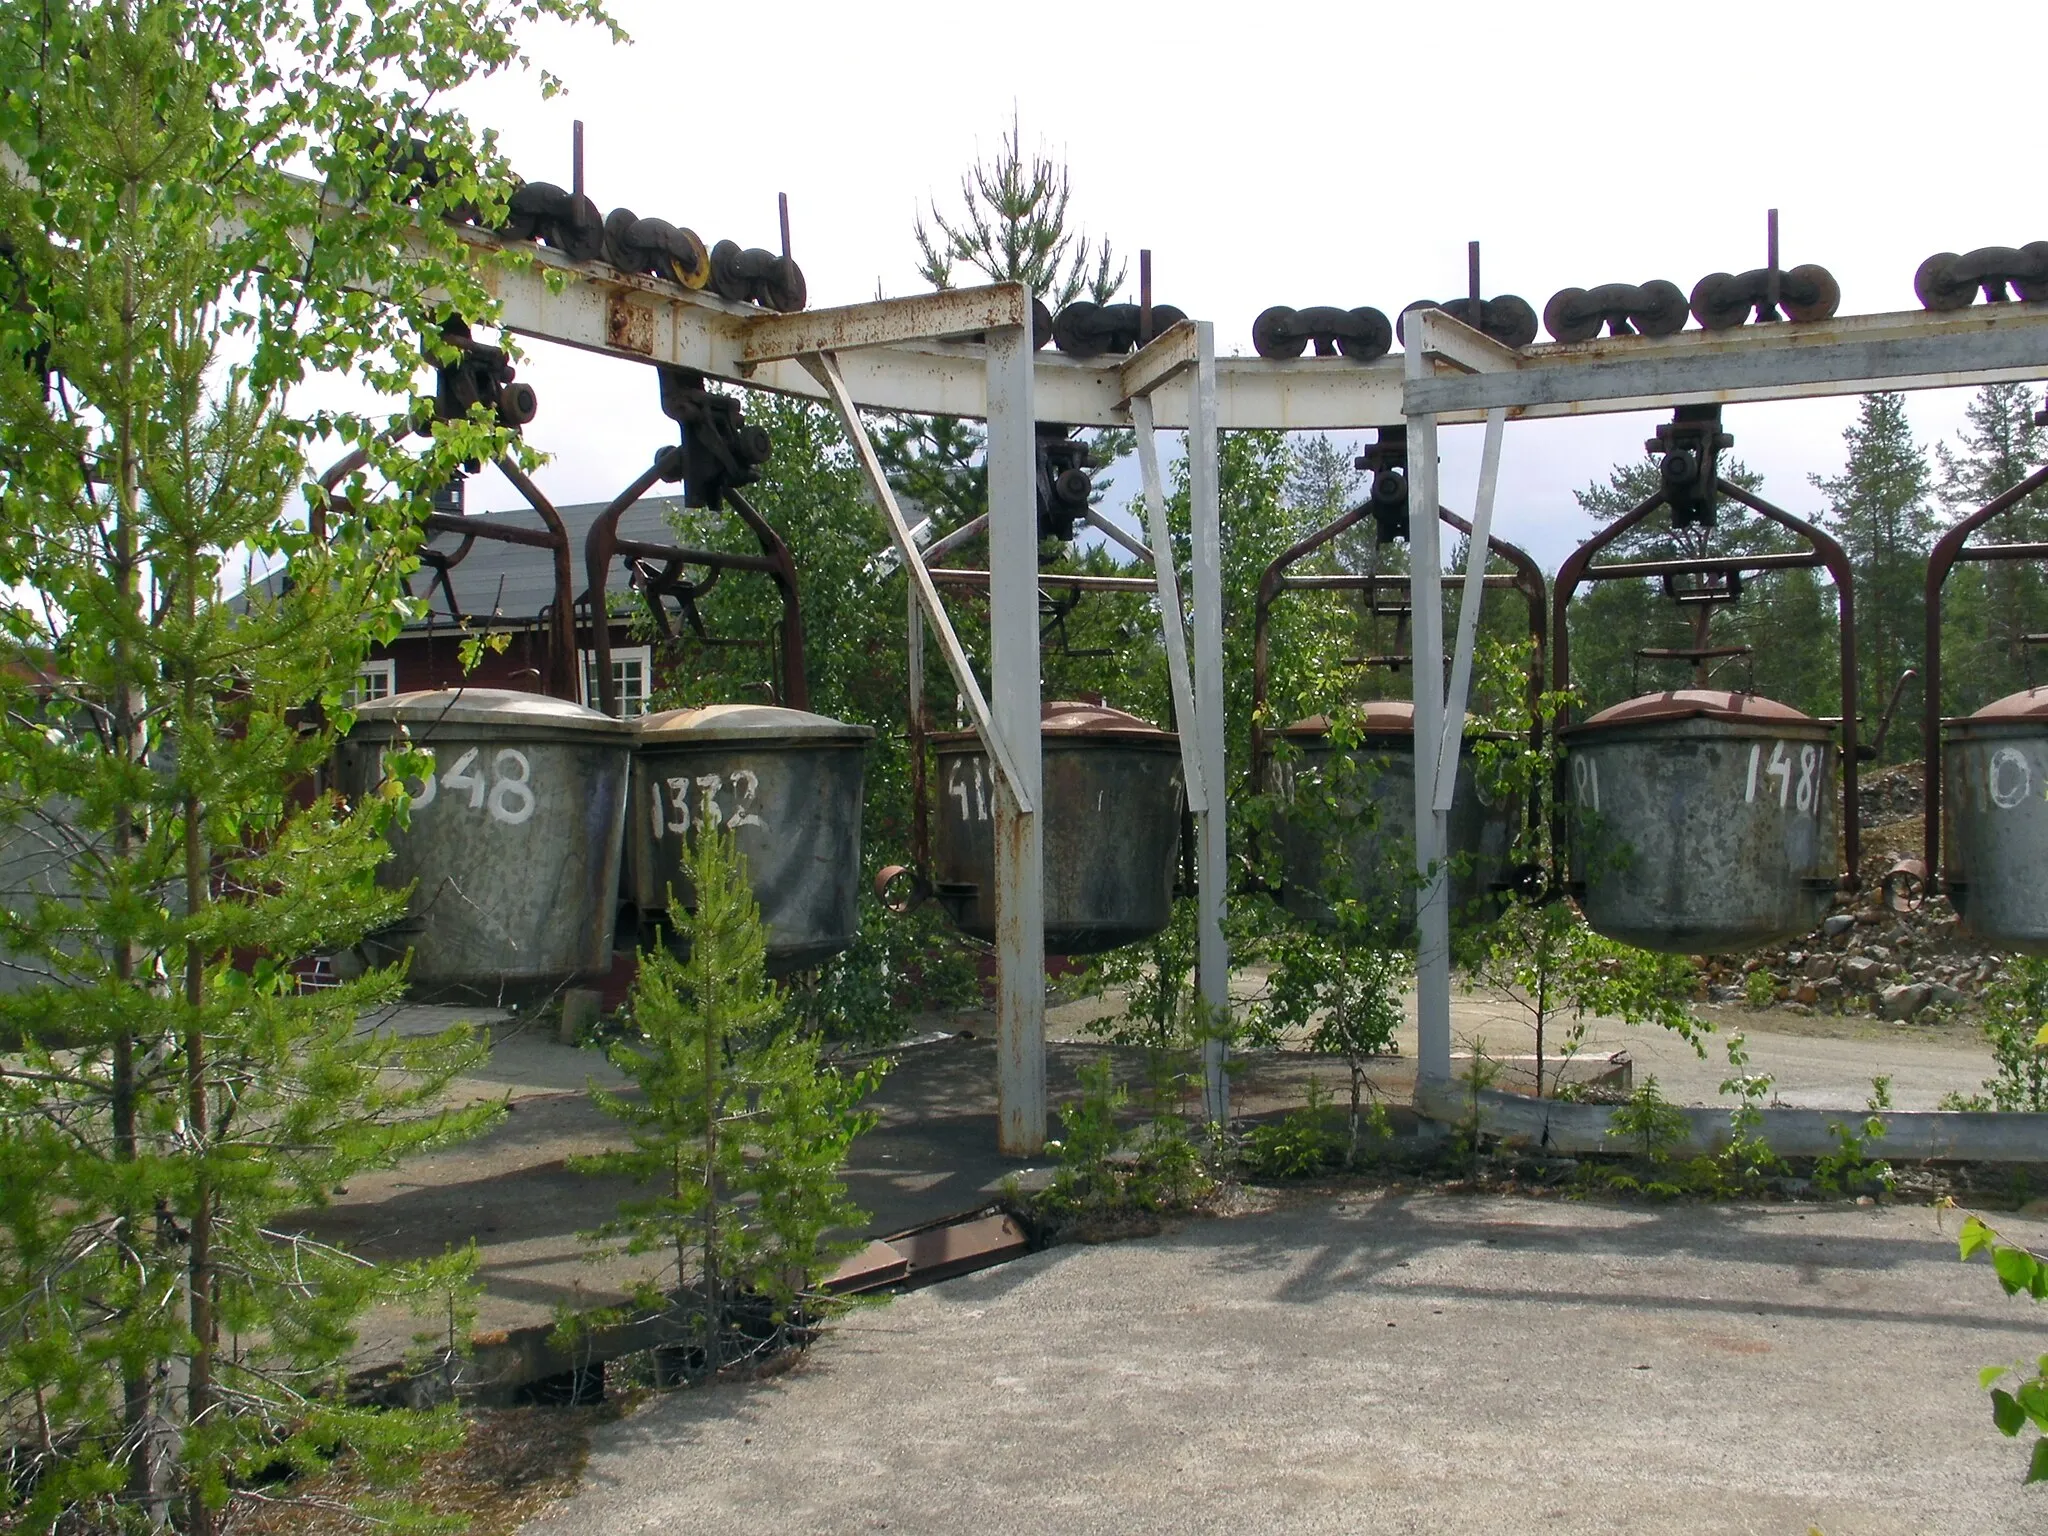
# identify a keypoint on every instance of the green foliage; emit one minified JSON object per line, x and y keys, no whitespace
{"x":1652,"y":1123}
{"x":1850,"y":1168}
{"x":1990,"y":607}
{"x":2023,"y":1400}
{"x":1302,"y":1143}
{"x":1882,"y":511}
{"x":172,"y":274}
{"x":1012,"y":227}
{"x":1759,"y":988}
{"x":1106,"y":1172}
{"x":738,"y":1132}
{"x":1314,"y":1139}
{"x":1747,"y":1159}
{"x":2016,"y":1023}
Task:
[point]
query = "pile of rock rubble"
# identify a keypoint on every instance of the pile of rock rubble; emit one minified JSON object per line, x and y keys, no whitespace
{"x":1865,"y":958}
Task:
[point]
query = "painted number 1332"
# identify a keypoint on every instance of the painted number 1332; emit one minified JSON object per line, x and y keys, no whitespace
{"x":672,"y":798}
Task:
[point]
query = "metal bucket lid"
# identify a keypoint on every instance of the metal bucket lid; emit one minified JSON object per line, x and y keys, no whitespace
{"x":1696,"y":704}
{"x":2027,"y":706}
{"x":1075,"y":721}
{"x":743,"y":722}
{"x":501,"y":711}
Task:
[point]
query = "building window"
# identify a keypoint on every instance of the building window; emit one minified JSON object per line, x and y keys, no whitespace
{"x":632,"y":674}
{"x":377,"y":680}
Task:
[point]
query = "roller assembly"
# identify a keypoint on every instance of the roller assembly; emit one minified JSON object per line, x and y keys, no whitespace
{"x":1096,"y":330}
{"x":721,"y":450}
{"x":1948,"y":281}
{"x":480,"y":375}
{"x":1362,"y":334}
{"x":1721,"y":301}
{"x":564,"y":221}
{"x":655,"y":247}
{"x":1508,"y":319}
{"x":1064,"y":482}
{"x":1655,"y":308}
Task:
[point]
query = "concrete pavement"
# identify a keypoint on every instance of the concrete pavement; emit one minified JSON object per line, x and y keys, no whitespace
{"x":1385,"y":1363}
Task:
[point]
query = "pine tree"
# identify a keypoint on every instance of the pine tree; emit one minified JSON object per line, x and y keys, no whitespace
{"x":170,"y":1091}
{"x":738,"y":1131}
{"x":1881,"y":509}
{"x":1011,"y":227}
{"x":1989,"y":608}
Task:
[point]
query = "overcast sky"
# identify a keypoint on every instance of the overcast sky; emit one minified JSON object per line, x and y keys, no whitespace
{"x":1305,"y":154}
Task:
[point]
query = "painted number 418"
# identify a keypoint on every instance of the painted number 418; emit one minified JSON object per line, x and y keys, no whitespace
{"x":1802,"y":790}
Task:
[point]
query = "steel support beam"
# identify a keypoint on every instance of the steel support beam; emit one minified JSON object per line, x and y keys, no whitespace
{"x":1212,"y":865}
{"x":1013,"y":644}
{"x":1451,"y":739}
{"x":1432,"y":834}
{"x":1172,"y":627}
{"x":1009,"y":768}
{"x":1914,"y":349}
{"x":927,"y":316}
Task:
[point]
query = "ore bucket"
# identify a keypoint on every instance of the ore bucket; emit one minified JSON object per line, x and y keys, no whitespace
{"x":1111,"y":829}
{"x":1995,"y":792}
{"x":1361,"y":846}
{"x":787,"y":784}
{"x":513,"y":841}
{"x":1702,"y":821}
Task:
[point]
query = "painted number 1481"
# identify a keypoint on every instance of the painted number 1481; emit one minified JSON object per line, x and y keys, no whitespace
{"x":1800,"y":789}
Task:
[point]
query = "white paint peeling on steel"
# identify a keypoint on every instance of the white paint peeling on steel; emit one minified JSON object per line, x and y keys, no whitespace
{"x":1014,"y":664}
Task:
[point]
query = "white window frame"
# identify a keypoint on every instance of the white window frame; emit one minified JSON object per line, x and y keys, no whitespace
{"x":624,"y":659}
{"x":385,"y":669}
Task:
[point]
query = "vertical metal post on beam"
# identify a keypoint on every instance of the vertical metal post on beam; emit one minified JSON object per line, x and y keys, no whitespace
{"x":1212,"y":867}
{"x":1432,"y":827}
{"x":1013,"y":711}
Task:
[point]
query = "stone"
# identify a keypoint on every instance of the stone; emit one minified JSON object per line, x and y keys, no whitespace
{"x":1830,"y":989}
{"x":1947,"y":996}
{"x":1861,"y":971}
{"x":1795,"y":958}
{"x":1806,"y":992}
{"x":1903,"y":1000}
{"x":1818,"y":966}
{"x":1838,"y":924}
{"x":1878,"y":953}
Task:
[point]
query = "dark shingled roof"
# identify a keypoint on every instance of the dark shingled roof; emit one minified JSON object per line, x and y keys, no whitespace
{"x":515,"y":582}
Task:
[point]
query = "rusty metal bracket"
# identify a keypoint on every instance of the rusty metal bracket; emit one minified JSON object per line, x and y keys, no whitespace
{"x":1822,"y":550}
{"x":1952,"y":547}
{"x":602,"y":545}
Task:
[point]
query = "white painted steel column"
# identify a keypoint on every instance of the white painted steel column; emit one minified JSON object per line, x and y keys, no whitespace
{"x":1432,"y":827}
{"x":1172,"y":627}
{"x":1013,"y":642}
{"x":1451,"y":739}
{"x":1212,"y":865}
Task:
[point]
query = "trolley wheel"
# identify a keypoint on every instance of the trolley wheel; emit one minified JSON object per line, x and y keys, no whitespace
{"x":1275,"y":334}
{"x":1568,"y":318}
{"x":1372,"y":335}
{"x":1816,"y":281}
{"x":1938,"y":285}
{"x":1664,"y":309}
